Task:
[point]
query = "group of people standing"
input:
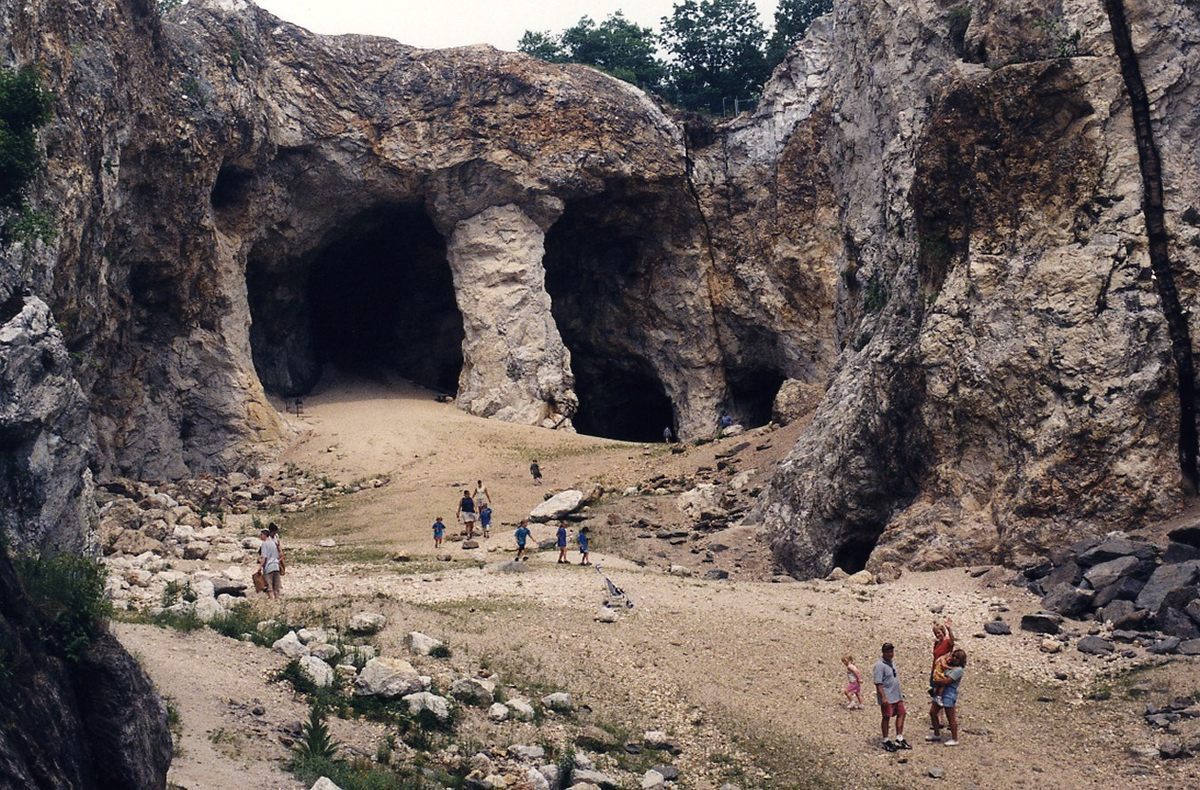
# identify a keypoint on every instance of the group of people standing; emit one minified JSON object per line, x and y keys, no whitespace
{"x":949,"y":666}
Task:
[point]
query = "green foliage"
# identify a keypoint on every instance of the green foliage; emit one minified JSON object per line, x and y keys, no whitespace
{"x":186,"y":621}
{"x":439,"y":651}
{"x":1060,"y":41}
{"x":68,"y":591}
{"x":718,"y":53}
{"x":239,"y":619}
{"x":616,"y":46}
{"x":24,"y":106}
{"x":876,"y":296}
{"x":792,"y":20}
{"x":566,"y":766}
{"x":358,"y":774}
{"x":315,"y":741}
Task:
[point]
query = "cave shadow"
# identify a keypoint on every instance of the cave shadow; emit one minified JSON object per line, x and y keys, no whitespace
{"x":751,"y":394}
{"x":598,"y":278}
{"x":375,"y":300}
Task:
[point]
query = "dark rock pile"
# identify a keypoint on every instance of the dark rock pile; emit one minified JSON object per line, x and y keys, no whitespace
{"x":1145,"y":593}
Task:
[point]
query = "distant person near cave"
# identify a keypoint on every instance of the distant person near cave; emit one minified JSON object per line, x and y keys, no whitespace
{"x":667,"y":435}
{"x":536,"y":472}
{"x":723,"y":424}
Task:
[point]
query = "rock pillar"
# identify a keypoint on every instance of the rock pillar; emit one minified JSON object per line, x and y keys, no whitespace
{"x":515,"y":366}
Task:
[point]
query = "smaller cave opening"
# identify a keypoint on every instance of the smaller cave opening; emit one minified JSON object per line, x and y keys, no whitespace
{"x":232,"y":187}
{"x":752,"y":392}
{"x":620,"y":399}
{"x":853,"y":553}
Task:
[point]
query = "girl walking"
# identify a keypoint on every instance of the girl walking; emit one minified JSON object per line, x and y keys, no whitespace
{"x":853,"y":690}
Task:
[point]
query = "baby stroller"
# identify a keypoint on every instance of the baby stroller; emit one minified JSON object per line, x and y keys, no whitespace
{"x":617,"y":599}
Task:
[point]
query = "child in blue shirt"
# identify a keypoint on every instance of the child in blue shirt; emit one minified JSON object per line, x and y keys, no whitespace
{"x":582,"y":537}
{"x":439,"y":529}
{"x":561,"y":540}
{"x":522,"y":534}
{"x":485,"y":520}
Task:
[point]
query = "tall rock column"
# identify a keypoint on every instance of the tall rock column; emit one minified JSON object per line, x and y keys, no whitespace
{"x":515,"y":366}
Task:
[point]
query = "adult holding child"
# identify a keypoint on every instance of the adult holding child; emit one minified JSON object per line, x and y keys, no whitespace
{"x":948,"y":675}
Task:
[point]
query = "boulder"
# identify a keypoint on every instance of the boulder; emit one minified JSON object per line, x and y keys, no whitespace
{"x":1116,"y":548}
{"x":196,"y":550}
{"x":1175,"y":622}
{"x":997,"y":628}
{"x":1189,"y":647}
{"x":1106,"y":573}
{"x":1188,"y":536}
{"x":1068,"y":572}
{"x":526,"y":753}
{"x":837,"y":575}
{"x":704,"y":498}
{"x":862,"y":577}
{"x":1124,"y":589}
{"x":520,"y":710}
{"x":1164,"y":646}
{"x":1095,"y":645}
{"x":424,"y":702}
{"x":473,"y":691}
{"x":535,"y":779}
{"x":421,"y":645}
{"x":320,"y":673}
{"x":1167,"y":579}
{"x":387,"y":677}
{"x":290,"y":645}
{"x":1123,"y":615}
{"x":595,"y":739}
{"x":606,"y":614}
{"x":229,"y":587}
{"x":680,"y":570}
{"x":559,"y":702}
{"x":1068,"y":600}
{"x":561,"y":504}
{"x":716,"y":574}
{"x":310,"y":635}
{"x":795,"y":399}
{"x":498,"y":712}
{"x":1180,"y":552}
{"x":1192,"y":610}
{"x":324,"y":783}
{"x":366,"y":623}
{"x":323,"y":651}
{"x":207,"y":609}
{"x":601,"y":780}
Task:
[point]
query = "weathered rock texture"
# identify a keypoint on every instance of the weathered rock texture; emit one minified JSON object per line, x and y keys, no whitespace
{"x":934,"y":215}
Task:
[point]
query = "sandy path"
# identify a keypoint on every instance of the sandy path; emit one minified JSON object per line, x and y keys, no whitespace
{"x":743,"y":668}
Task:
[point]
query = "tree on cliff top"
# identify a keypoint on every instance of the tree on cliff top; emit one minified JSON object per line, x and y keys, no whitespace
{"x":718,"y":49}
{"x":24,"y":106}
{"x":616,"y":45}
{"x":792,"y":20}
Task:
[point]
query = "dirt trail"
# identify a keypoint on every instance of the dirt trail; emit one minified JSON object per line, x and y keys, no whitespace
{"x":744,"y":670}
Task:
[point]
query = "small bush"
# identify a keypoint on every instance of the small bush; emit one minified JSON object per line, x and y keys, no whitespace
{"x":185,"y":621}
{"x":298,"y":678}
{"x":440,"y":651}
{"x":240,"y":619}
{"x":68,"y":591}
{"x":357,"y":774}
{"x":566,"y":766}
{"x":315,"y":741}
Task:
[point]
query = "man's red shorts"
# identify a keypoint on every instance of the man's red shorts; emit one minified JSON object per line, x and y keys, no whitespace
{"x":890,"y":709}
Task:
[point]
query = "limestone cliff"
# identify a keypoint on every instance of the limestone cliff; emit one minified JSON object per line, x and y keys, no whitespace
{"x":934,"y":216}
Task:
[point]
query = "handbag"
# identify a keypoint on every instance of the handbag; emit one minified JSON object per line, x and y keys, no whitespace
{"x":260,"y":584}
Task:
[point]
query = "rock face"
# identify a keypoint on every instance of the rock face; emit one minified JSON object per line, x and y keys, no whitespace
{"x":933,"y":218}
{"x":92,"y":722}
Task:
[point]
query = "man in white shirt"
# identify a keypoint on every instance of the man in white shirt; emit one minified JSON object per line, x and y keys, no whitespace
{"x":891,"y":698}
{"x":268,"y":563}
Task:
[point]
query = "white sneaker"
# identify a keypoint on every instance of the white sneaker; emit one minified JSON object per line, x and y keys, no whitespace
{"x":951,"y":742}
{"x":933,"y":737}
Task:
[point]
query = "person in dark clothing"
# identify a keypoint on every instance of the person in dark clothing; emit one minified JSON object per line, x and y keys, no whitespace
{"x":466,"y":513}
{"x":536,"y":471}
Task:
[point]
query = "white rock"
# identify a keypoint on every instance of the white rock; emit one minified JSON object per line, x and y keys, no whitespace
{"x":703,"y":498}
{"x":520,"y":710}
{"x":317,"y":670}
{"x":204,"y":588}
{"x":290,"y":645}
{"x":606,"y":615}
{"x":323,"y":651}
{"x":680,"y":570}
{"x":522,"y":752}
{"x":183,"y":533}
{"x":655,"y":738}
{"x":421,"y":645}
{"x":324,"y":784}
{"x":652,"y":780}
{"x":536,"y":780}
{"x":366,"y":623}
{"x":559,"y":701}
{"x":387,"y":677}
{"x":425,"y":701}
{"x":475,"y":691}
{"x":208,"y":608}
{"x":862,"y":577}
{"x":307,"y":635}
{"x":498,"y":712}
{"x":561,"y":504}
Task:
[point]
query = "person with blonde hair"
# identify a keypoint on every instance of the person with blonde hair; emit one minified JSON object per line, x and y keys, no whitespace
{"x":853,"y":690}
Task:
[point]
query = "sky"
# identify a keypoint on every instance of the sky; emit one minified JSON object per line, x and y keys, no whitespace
{"x":452,"y":23}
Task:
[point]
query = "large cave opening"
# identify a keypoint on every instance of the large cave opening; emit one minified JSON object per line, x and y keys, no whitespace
{"x":376,"y":299}
{"x":598,"y":275}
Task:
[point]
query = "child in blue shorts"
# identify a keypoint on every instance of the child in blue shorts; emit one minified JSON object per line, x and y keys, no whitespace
{"x":485,"y":520}
{"x":522,"y":534}
{"x":439,"y":529}
{"x":561,"y":541}
{"x":582,"y":538}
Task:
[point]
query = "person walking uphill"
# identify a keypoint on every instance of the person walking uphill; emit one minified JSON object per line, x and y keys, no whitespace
{"x":466,"y":513}
{"x":536,"y":472}
{"x":891,"y":699}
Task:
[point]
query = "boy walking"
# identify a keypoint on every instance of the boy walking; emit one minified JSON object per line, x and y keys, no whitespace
{"x":560,"y":539}
{"x":582,"y":538}
{"x":522,"y":534}
{"x":891,"y":698}
{"x":536,"y":472}
{"x":439,"y":530}
{"x":485,"y":520}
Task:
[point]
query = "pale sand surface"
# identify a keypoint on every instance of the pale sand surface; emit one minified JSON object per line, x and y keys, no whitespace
{"x":742,"y":668}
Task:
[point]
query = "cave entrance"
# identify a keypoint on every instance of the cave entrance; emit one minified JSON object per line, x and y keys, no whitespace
{"x":752,"y":392}
{"x":375,"y":300}
{"x":598,"y":278}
